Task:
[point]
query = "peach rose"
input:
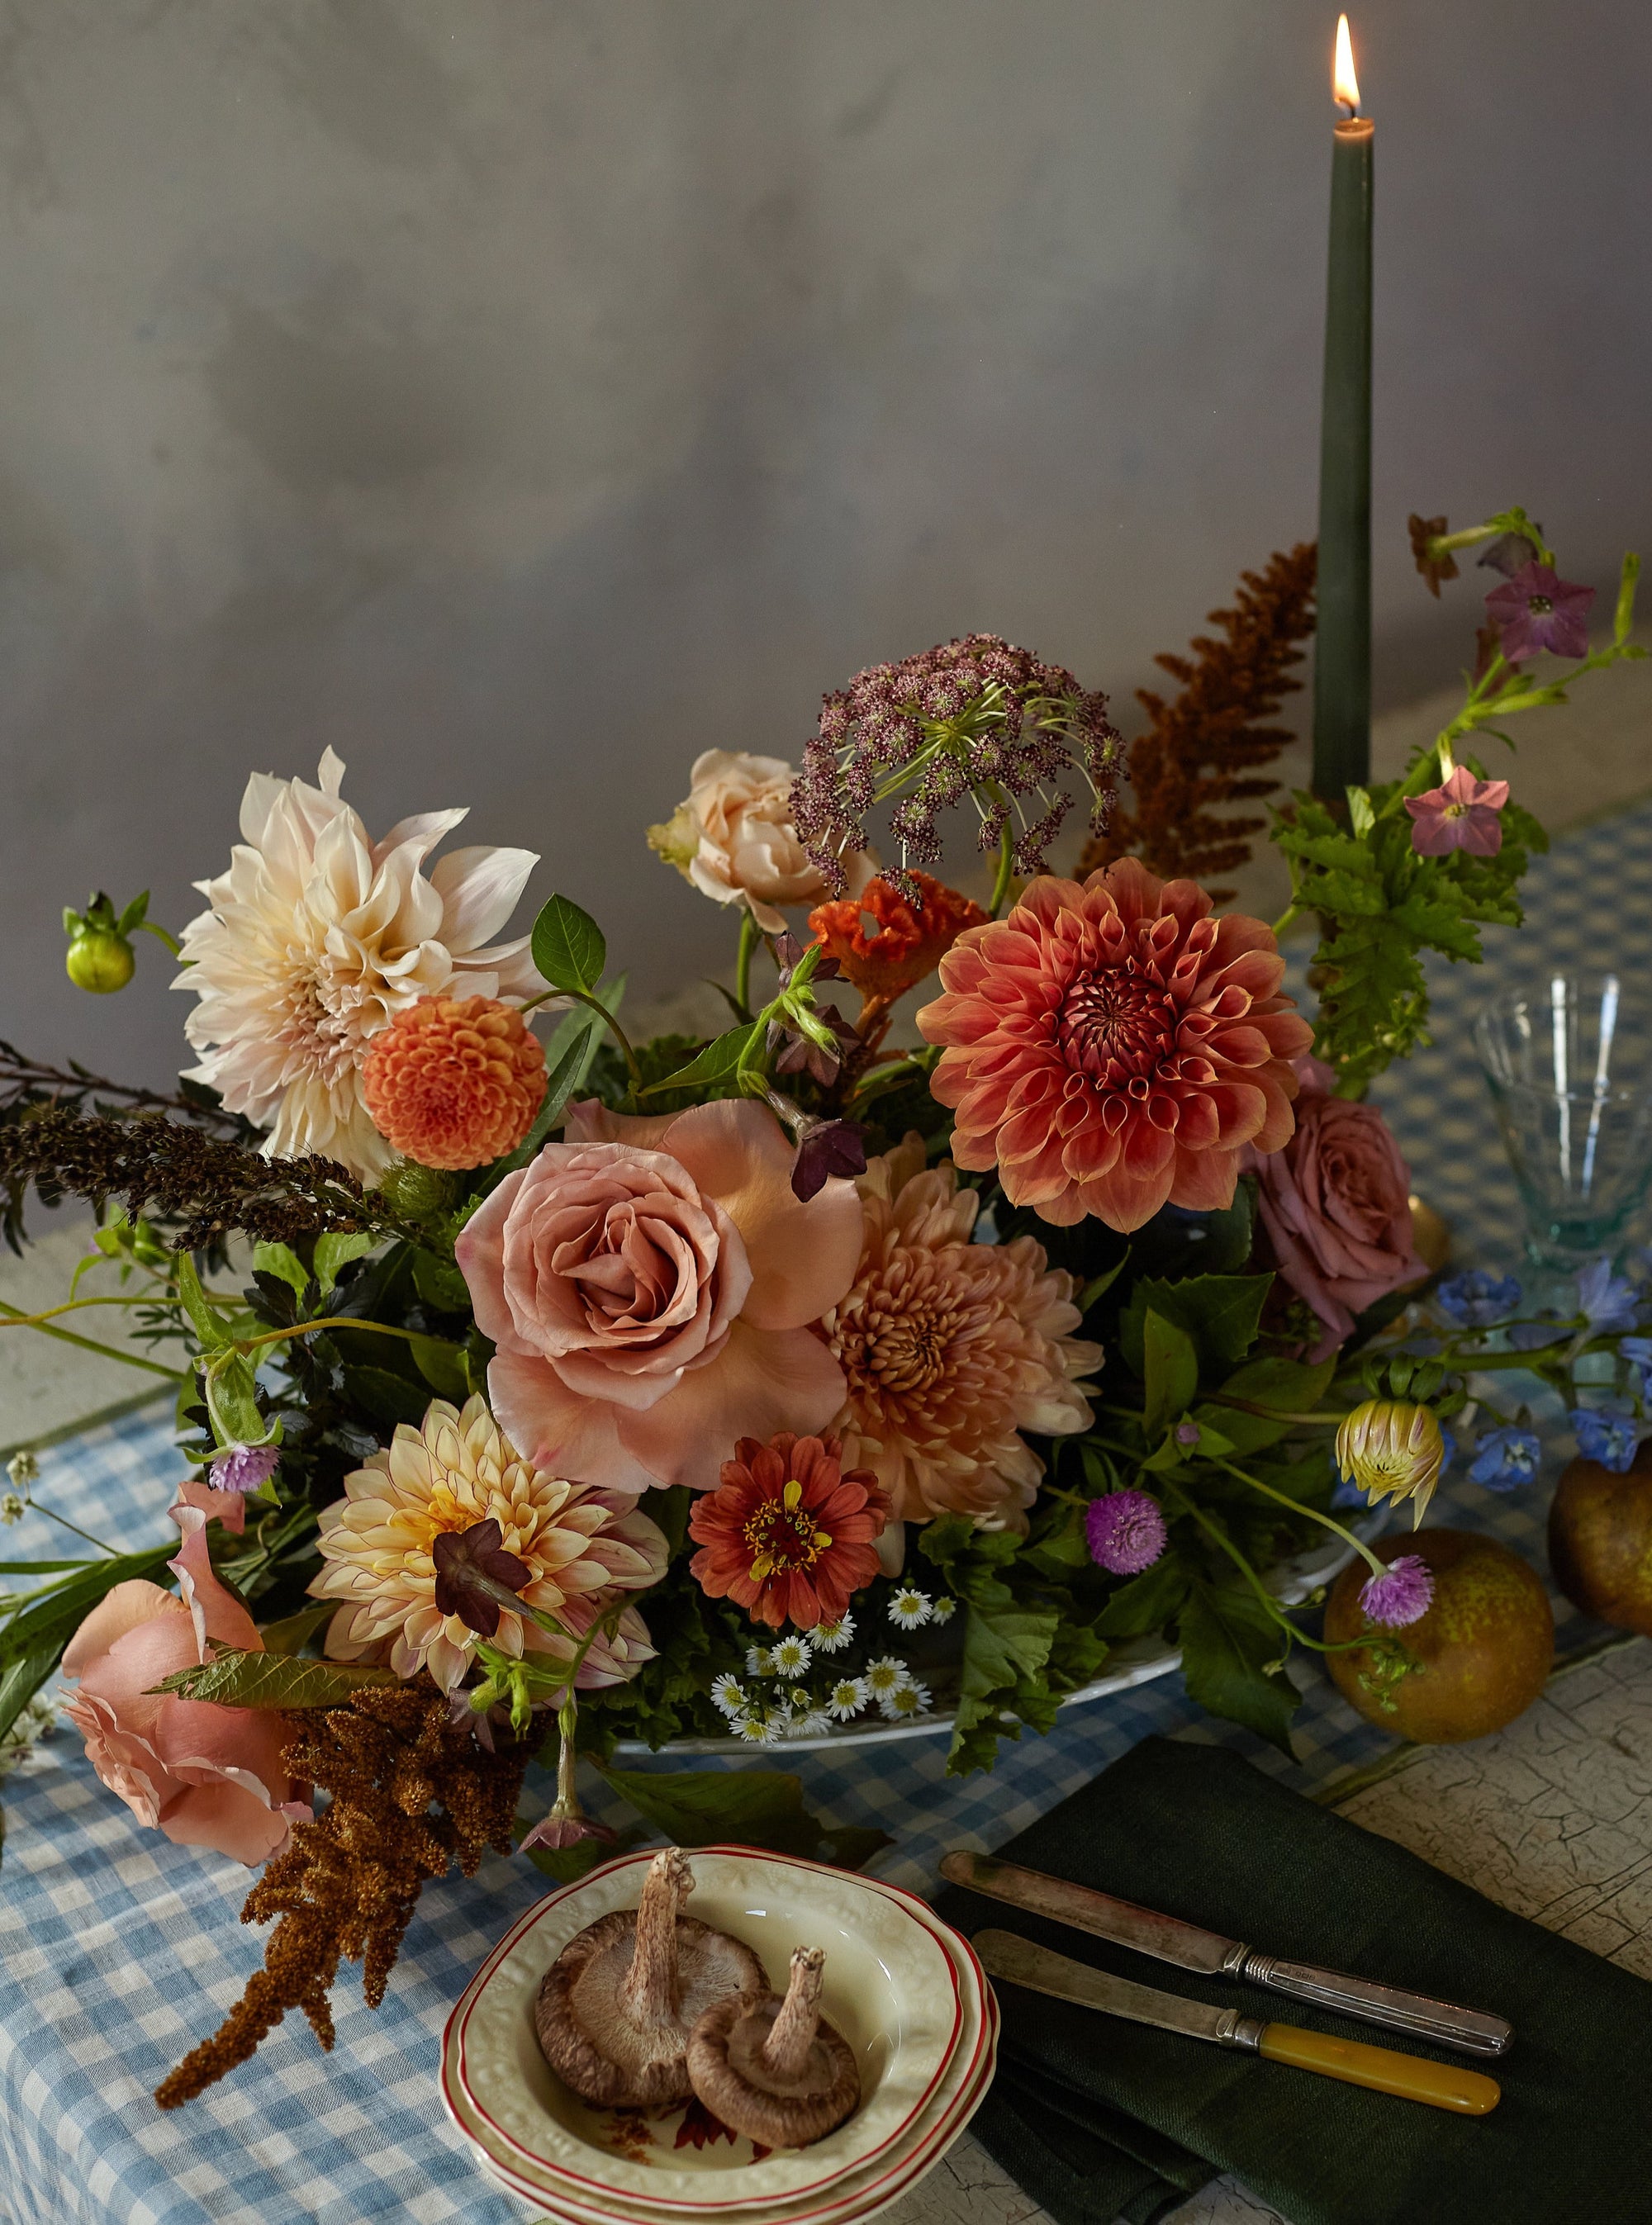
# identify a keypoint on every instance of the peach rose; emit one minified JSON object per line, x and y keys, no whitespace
{"x":205,"y":1775}
{"x":651,"y":1287}
{"x":1335,"y":1205}
{"x":733,"y":838}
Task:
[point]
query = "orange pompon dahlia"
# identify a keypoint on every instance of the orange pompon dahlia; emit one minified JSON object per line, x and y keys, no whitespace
{"x":787,"y":1534}
{"x":905,"y":945}
{"x":454,"y":1082}
{"x":1110,"y":1048}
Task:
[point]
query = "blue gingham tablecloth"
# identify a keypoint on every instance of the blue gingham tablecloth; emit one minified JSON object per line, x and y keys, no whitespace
{"x":118,"y":1950}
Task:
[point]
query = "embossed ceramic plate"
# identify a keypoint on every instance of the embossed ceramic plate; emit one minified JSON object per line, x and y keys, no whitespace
{"x":861,"y":2195}
{"x":893,"y":1989}
{"x":850,"y":2197}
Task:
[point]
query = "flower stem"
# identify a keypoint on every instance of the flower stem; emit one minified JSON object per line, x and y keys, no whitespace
{"x":14,"y":1316}
{"x":63,"y":1522}
{"x":330,"y":1321}
{"x":1288,"y":918}
{"x":749,"y":932}
{"x":1006,"y":863}
{"x":1326,"y":1521}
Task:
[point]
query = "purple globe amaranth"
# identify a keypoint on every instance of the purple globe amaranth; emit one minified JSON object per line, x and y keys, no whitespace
{"x":1402,"y":1594}
{"x":1537,"y":609}
{"x":1125,"y":1532}
{"x":245,"y":1467}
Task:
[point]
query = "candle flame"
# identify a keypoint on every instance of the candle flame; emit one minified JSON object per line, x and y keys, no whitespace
{"x":1343,"y":84}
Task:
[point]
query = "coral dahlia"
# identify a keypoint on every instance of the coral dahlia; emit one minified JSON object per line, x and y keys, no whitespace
{"x":951,"y":1348}
{"x":581,"y":1548}
{"x":316,"y":937}
{"x":454,"y":1082}
{"x":789,"y":1533}
{"x":1109,"y":1047}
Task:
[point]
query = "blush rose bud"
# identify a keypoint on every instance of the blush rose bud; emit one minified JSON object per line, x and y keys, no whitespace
{"x":1392,"y":1450}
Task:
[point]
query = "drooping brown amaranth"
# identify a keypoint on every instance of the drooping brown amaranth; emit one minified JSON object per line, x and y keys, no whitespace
{"x":616,"y":2007}
{"x":774,"y":2069}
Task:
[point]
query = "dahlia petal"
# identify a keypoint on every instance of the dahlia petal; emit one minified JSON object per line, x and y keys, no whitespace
{"x":1204,"y":1181}
{"x":1126,"y":1200}
{"x":479,"y":888}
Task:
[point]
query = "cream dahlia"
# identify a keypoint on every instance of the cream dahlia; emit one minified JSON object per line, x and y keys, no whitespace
{"x":316,"y":937}
{"x":581,"y":1548}
{"x":952,"y":1349}
{"x":1110,"y":1048}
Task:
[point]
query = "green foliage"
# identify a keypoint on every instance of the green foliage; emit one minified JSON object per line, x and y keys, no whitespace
{"x":742,"y":1807}
{"x":568,"y":947}
{"x":1219,"y":1313}
{"x":1231,"y":1649}
{"x":234,"y":1679}
{"x":33,"y":1638}
{"x":1169,"y":1371}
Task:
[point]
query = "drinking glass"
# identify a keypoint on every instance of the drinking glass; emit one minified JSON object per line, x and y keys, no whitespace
{"x":1568,"y":1062}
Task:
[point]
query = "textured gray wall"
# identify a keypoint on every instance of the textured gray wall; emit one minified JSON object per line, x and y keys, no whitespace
{"x":524,"y":394}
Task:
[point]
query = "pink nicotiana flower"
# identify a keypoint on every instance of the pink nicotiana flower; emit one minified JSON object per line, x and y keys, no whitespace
{"x":1461,"y":815}
{"x":1401,"y":1594}
{"x":1125,"y":1532}
{"x":1537,"y":609}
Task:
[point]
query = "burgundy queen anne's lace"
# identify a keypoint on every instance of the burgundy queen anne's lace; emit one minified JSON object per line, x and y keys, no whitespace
{"x":974,"y":717}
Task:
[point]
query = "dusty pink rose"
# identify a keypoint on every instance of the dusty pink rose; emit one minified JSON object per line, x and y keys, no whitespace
{"x":1335,"y":1202}
{"x":650,"y":1285}
{"x":205,"y":1775}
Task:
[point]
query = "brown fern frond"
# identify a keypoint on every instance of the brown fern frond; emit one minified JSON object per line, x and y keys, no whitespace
{"x":1202,"y":749}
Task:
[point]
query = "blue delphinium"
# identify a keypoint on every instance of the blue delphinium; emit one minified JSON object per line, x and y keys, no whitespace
{"x":1604,"y":1436}
{"x":1477,"y":1300}
{"x":1607,"y":1302}
{"x":1506,"y":1457}
{"x":1637,"y":1350}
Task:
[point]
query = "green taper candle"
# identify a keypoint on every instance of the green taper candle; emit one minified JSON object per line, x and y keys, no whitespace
{"x":1342,"y":672}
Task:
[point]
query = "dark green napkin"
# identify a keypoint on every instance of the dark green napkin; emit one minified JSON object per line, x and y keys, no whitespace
{"x":1098,"y":2118}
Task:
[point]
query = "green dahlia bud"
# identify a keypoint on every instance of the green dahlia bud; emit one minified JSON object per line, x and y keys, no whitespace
{"x":99,"y":959}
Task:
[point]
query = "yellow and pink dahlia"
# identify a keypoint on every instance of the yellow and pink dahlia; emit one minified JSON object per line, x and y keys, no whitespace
{"x":951,"y":1349}
{"x":583,"y":1550}
{"x":1110,"y":1048}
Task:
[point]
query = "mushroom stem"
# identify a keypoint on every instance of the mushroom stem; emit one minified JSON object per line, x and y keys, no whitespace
{"x":649,"y":1990}
{"x":792,"y":2033}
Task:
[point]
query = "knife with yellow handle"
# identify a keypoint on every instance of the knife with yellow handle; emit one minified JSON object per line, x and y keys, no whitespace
{"x":1006,"y":1956}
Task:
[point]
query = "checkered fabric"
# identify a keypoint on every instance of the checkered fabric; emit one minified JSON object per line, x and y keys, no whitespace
{"x":121,"y":1951}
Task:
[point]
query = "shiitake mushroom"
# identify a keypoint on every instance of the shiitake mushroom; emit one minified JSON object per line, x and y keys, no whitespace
{"x":774,"y":2069}
{"x":615,"y":2009}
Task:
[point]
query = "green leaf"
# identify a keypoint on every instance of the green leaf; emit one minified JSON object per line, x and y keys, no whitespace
{"x":210,"y":1331}
{"x":568,"y":947}
{"x":333,"y":1251}
{"x":281,"y":1259}
{"x":1289,"y":1384}
{"x":234,"y":1679}
{"x":293,"y":1631}
{"x":746,"y":1807}
{"x":1230,"y":1642}
{"x":230,"y":1389}
{"x":387,"y":1396}
{"x":1146,"y":1603}
{"x":442,"y":1366}
{"x":440,"y":1283}
{"x":668,"y":1510}
{"x":1171,"y":1370}
{"x":1098,"y":1285}
{"x":1219,"y":1312}
{"x":718,"y":1062}
{"x":568,"y":1055}
{"x":1005,"y":1649}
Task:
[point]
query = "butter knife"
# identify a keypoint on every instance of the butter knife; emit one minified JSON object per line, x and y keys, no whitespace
{"x":1144,"y":1930}
{"x":1017,"y":1961}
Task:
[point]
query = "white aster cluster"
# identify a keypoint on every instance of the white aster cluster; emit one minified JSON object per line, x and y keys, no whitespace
{"x":777,"y":1703}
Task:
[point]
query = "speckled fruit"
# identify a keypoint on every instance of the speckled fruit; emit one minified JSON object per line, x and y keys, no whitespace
{"x":1600,"y":1540}
{"x":1483,"y":1649}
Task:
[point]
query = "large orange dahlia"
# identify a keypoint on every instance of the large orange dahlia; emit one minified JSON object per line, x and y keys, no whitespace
{"x":1109,"y":1047}
{"x":454,"y":1082}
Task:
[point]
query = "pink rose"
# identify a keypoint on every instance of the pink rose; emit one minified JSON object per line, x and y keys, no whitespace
{"x":205,"y":1775}
{"x":1335,"y":1202}
{"x":733,"y":837}
{"x":651,"y":1286}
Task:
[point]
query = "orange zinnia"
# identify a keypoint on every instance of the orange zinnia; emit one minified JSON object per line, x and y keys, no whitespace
{"x":906,"y":945}
{"x":787,"y":1534}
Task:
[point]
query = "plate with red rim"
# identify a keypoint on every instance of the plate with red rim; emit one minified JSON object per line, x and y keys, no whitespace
{"x":852,"y":2196}
{"x":905,"y":1992}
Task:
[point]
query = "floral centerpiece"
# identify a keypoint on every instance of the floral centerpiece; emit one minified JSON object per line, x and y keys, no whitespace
{"x":538,"y":1394}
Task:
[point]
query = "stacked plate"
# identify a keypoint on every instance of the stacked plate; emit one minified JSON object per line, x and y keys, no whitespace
{"x":905,"y":1991}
